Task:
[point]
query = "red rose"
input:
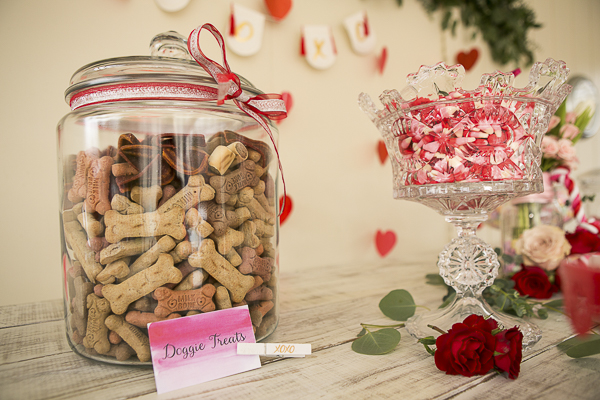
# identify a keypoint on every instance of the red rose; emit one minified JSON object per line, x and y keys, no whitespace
{"x":479,"y":322}
{"x":509,"y":345}
{"x":583,"y":241}
{"x":467,"y":349}
{"x":534,"y":282}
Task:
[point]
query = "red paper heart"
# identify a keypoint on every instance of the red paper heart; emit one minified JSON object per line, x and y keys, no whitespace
{"x":467,"y":59}
{"x":287,"y":208}
{"x":382,"y":151}
{"x":385,"y":242}
{"x":381,"y":60}
{"x":279,"y":8}
{"x":288,"y":100}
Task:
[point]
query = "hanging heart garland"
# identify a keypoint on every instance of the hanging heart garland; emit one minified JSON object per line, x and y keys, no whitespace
{"x":385,"y":242}
{"x":467,"y":60}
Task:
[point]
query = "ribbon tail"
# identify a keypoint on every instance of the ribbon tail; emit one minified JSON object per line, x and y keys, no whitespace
{"x":265,"y":126}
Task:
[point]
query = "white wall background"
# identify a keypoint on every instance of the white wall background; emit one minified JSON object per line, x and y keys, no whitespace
{"x":341,"y":192}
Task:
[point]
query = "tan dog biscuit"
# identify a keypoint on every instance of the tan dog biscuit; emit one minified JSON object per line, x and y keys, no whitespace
{"x":98,"y":185}
{"x":248,"y":228}
{"x":170,"y":301}
{"x":92,"y":227}
{"x":82,"y":290}
{"x":217,"y":216}
{"x":154,"y":223}
{"x":253,"y":264}
{"x":123,"y":205}
{"x":147,"y":197}
{"x":77,"y":240}
{"x":233,"y":257}
{"x":181,"y":252}
{"x":219,"y":268}
{"x":115,"y":270}
{"x":96,"y":336}
{"x":125,"y":248}
{"x":142,"y":319}
{"x":222,"y":299}
{"x":192,"y":281}
{"x":263,"y":229}
{"x":189,"y":196}
{"x":149,"y":257}
{"x":141,"y":284}
{"x":145,"y":304}
{"x":228,"y":241}
{"x":220,"y":159}
{"x":246,"y":199}
{"x":235,"y":181}
{"x":131,"y":335}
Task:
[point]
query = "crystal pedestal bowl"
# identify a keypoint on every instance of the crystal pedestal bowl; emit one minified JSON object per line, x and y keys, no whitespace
{"x":464,"y":153}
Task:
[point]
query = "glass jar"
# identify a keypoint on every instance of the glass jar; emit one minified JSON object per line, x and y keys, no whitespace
{"x":525,"y":213}
{"x":167,"y":200}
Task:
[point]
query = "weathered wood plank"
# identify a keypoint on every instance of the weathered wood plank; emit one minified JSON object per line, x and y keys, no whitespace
{"x":28,"y":342}
{"x":30,"y":313}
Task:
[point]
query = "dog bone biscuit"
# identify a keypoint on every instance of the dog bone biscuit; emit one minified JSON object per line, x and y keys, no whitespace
{"x":123,"y":205}
{"x":192,"y":281}
{"x":98,"y":185}
{"x":249,"y":230}
{"x":222,"y":300}
{"x":189,"y":196}
{"x":77,"y":240}
{"x":141,"y":284}
{"x":219,"y":268}
{"x":78,"y":190}
{"x":149,"y":257}
{"x":125,"y":249}
{"x":259,"y":310}
{"x":253,"y":264}
{"x":92,"y":227}
{"x":235,"y":181}
{"x":246,"y":199}
{"x":147,"y":197}
{"x":259,"y":293}
{"x":131,"y":335}
{"x":225,"y":243}
{"x":154,"y":223}
{"x":217,"y":216}
{"x":115,"y":270}
{"x":170,"y":301}
{"x":142,"y":319}
{"x":181,"y":252}
{"x":96,"y":336}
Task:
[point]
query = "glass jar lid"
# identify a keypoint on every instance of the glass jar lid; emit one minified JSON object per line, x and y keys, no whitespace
{"x":169,"y":72}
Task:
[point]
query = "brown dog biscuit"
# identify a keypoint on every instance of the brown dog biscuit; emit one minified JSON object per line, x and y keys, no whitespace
{"x":96,"y":336}
{"x":131,"y":335}
{"x":233,"y":182}
{"x":76,"y":238}
{"x":253,"y":264}
{"x":125,"y":248}
{"x":141,"y":284}
{"x":217,"y":216}
{"x":219,"y":268}
{"x":189,"y":196}
{"x":150,"y":224}
{"x":142,"y":319}
{"x":170,"y":301}
{"x":98,"y":185}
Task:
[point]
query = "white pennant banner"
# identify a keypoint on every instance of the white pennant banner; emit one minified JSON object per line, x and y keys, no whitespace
{"x":318,"y":46}
{"x":245,"y":31}
{"x":362,"y":37}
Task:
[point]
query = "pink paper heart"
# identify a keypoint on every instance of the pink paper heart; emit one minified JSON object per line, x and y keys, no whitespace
{"x":287,"y":208}
{"x":385,"y":242}
{"x":382,"y":151}
{"x":381,"y":60}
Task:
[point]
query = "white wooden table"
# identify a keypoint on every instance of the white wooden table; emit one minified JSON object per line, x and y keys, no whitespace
{"x":321,"y":306}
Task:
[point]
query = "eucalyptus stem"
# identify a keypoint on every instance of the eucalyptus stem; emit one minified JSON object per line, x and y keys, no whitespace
{"x":435,"y":328}
{"x":380,"y":326}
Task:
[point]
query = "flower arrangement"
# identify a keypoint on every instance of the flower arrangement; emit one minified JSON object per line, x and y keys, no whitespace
{"x":565,"y":129}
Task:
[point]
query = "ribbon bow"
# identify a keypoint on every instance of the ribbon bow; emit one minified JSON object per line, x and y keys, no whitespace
{"x":269,"y":106}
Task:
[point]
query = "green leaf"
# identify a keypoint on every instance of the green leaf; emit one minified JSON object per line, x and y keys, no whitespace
{"x":362,"y":332}
{"x":542,"y":313}
{"x":379,"y":342}
{"x":398,"y":305}
{"x":558,"y":303}
{"x":589,"y":347}
{"x":434,"y":279}
{"x":429,"y":340}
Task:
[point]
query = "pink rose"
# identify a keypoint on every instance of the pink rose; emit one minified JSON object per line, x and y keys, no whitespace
{"x":554,"y":121}
{"x":549,"y":146}
{"x":566,"y":151}
{"x":544,"y":246}
{"x":570,"y":117}
{"x":569,"y":131}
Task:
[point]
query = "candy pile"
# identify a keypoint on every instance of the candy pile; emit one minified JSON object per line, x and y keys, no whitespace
{"x":164,"y":227}
{"x":462,"y":138}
